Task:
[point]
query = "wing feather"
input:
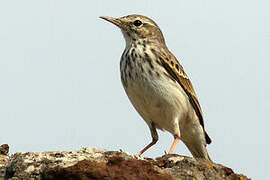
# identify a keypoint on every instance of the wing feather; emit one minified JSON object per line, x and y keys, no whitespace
{"x":174,"y":69}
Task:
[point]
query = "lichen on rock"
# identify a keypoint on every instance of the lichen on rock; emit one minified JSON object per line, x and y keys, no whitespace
{"x":91,"y":163}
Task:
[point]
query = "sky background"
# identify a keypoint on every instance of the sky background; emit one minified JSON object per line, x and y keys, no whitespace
{"x":60,"y":85}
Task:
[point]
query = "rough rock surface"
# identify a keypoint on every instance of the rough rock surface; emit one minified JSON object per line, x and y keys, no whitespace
{"x":4,"y":148}
{"x":96,"y":164}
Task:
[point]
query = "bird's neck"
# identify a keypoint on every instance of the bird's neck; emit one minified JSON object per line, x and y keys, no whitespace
{"x":131,"y":42}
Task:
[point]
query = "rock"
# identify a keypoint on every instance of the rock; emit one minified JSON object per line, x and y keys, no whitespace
{"x":4,"y":160}
{"x":4,"y":148}
{"x":95,"y":164}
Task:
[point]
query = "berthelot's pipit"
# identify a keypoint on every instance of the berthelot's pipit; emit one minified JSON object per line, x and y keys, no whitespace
{"x":158,"y":87}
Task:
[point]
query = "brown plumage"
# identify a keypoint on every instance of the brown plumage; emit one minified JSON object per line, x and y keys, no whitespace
{"x":177,"y":72}
{"x":158,"y":86}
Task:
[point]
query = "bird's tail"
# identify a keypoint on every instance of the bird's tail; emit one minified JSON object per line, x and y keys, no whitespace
{"x":198,"y":151}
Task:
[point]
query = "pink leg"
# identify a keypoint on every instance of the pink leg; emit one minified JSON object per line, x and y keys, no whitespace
{"x":176,"y":140}
{"x":154,"y":139}
{"x":147,"y":147}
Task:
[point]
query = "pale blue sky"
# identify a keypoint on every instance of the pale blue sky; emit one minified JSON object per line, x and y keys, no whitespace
{"x":61,"y":90}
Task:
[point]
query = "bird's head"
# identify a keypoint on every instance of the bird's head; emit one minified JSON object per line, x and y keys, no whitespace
{"x":137,"y":28}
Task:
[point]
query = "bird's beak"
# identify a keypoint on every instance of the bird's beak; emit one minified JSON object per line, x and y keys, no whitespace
{"x":115,"y":21}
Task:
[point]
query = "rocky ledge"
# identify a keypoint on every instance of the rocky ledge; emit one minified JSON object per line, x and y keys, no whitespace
{"x":96,"y":164}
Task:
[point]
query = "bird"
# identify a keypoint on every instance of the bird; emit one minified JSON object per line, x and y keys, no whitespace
{"x":158,"y":87}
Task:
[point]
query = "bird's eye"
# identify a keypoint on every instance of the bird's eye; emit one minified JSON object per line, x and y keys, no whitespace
{"x":137,"y":23}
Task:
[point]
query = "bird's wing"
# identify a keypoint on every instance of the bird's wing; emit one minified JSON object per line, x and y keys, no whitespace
{"x":176,"y":71}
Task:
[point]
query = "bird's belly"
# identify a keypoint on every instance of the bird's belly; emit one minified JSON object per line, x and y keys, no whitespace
{"x":159,"y":100}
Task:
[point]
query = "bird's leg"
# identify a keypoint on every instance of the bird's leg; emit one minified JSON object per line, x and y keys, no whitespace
{"x":175,"y":141}
{"x":154,"y":135}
